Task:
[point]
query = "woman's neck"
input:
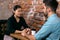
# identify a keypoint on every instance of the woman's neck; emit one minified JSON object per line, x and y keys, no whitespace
{"x":17,"y":18}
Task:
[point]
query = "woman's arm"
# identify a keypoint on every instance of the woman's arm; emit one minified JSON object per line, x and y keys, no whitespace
{"x":24,"y":23}
{"x":18,"y":31}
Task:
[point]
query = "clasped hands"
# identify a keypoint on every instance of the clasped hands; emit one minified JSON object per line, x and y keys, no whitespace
{"x":27,"y":33}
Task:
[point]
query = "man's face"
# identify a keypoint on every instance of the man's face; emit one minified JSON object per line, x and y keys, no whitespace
{"x":18,"y":12}
{"x":46,"y":10}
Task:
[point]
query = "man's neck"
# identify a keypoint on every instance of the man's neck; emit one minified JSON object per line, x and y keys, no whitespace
{"x":50,"y":13}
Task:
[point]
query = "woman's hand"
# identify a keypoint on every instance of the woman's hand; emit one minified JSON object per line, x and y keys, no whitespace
{"x":26,"y":31}
{"x":23,"y":33}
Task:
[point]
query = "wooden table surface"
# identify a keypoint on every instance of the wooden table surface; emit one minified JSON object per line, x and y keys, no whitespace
{"x":18,"y":36}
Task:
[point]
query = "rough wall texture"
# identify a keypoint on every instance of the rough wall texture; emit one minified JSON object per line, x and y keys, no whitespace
{"x":4,"y":11}
{"x":6,"y":6}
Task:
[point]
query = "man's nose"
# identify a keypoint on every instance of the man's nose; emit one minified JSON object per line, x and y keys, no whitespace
{"x":57,"y":10}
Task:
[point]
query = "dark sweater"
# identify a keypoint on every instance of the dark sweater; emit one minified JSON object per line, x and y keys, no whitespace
{"x":12,"y":25}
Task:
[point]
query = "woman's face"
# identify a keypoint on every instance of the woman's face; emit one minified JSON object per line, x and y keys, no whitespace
{"x":58,"y":10}
{"x":18,"y":12}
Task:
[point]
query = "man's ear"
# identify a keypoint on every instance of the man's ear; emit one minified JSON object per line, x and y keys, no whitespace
{"x":49,"y":9}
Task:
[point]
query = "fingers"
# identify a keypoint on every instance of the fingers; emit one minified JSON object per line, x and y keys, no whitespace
{"x":26,"y":32}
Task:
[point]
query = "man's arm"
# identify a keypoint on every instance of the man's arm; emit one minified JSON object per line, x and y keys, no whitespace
{"x":44,"y":31}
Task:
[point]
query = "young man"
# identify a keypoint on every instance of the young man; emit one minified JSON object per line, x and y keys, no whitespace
{"x":51,"y":29}
{"x":16,"y":23}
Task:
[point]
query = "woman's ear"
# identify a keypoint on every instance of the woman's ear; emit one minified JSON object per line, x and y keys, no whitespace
{"x":13,"y":11}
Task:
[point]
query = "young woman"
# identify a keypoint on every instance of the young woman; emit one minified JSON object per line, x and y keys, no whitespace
{"x":16,"y":23}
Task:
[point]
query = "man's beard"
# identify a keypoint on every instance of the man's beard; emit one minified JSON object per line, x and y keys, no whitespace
{"x":46,"y":14}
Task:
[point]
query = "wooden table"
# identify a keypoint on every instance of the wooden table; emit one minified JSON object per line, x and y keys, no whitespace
{"x":18,"y":36}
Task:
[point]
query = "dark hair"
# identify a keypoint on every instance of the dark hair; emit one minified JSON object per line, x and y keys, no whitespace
{"x":16,"y":7}
{"x":51,"y":3}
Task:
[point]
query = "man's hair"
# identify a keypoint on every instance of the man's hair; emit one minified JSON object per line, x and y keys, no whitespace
{"x":16,"y":7}
{"x":51,"y":3}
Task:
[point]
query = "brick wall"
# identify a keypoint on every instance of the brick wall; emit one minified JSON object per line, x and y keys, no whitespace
{"x":7,"y":5}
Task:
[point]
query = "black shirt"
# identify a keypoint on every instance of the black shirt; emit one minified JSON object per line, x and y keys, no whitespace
{"x":12,"y":25}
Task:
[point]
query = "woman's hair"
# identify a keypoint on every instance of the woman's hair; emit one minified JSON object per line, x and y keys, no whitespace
{"x":16,"y":7}
{"x":51,"y":3}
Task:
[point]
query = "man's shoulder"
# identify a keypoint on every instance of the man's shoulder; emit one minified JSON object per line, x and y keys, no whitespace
{"x":54,"y":17}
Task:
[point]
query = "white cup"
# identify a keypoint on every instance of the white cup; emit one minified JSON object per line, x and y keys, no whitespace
{"x":33,"y":32}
